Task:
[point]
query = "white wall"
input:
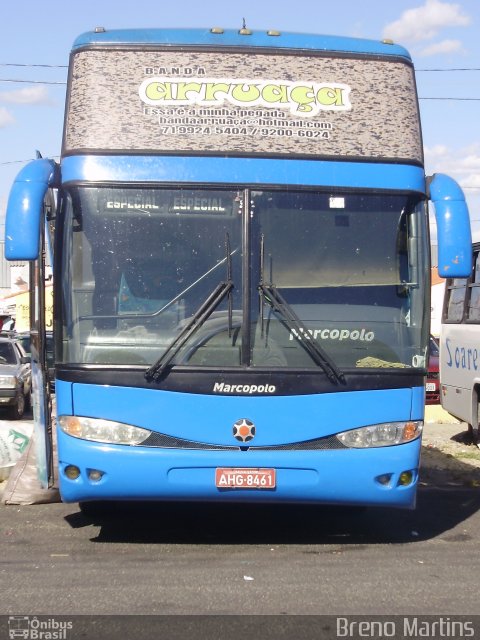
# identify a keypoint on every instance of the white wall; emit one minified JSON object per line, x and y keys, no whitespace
{"x":436,"y":307}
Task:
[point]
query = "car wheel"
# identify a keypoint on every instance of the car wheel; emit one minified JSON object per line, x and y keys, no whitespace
{"x":16,"y":412}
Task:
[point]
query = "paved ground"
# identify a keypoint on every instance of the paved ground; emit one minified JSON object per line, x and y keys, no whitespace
{"x":448,"y":455}
{"x":258,"y":559}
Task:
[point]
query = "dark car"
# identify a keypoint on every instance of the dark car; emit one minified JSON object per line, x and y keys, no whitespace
{"x":432,"y":385}
{"x":25,"y":341}
{"x":15,"y":377}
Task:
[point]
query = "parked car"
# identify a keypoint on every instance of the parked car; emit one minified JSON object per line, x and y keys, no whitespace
{"x":24,"y":339}
{"x":432,"y":385}
{"x":15,"y":377}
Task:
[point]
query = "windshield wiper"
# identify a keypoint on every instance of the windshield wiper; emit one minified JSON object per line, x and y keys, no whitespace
{"x":198,"y":318}
{"x":205,"y":310}
{"x":272,"y":296}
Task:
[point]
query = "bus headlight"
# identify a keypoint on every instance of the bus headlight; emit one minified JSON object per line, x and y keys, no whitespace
{"x":381,"y":435}
{"x":97,"y":430}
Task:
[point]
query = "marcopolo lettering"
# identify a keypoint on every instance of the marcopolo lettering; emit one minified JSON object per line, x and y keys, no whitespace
{"x":301,"y":98}
{"x":361,"y":335}
{"x":247,"y":389}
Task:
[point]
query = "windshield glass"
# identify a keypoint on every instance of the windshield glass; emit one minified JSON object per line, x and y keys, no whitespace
{"x":353,"y":269}
{"x":138,"y":265}
{"x":6,"y":353}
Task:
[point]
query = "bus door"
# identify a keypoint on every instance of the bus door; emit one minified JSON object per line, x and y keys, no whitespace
{"x":41,"y":399}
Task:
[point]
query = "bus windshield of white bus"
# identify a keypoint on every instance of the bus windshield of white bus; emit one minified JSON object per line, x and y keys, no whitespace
{"x":139,"y":264}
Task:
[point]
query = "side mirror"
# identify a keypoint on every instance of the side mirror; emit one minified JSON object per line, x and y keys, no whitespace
{"x":453,"y":227}
{"x":25,"y":209}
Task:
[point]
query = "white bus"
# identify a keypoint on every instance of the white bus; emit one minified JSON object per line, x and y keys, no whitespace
{"x":460,"y":347}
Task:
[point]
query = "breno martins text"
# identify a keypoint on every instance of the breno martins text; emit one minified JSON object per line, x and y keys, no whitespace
{"x":408,"y":627}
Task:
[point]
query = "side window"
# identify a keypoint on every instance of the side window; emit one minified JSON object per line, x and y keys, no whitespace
{"x":473,"y":309}
{"x":455,"y":299}
{"x":7,"y":355}
{"x":19,"y":352}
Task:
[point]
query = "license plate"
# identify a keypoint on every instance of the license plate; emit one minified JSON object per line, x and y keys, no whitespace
{"x":234,"y":478}
{"x":430,"y":386}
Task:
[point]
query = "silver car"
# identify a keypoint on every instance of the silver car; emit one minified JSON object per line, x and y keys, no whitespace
{"x":15,"y":378}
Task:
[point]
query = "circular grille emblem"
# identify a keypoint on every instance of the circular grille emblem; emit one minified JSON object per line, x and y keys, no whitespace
{"x":244,"y":430}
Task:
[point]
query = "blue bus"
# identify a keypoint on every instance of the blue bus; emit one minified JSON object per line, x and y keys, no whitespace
{"x":241,"y":269}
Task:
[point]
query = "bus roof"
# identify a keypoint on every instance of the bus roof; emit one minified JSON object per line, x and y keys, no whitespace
{"x":218,"y":37}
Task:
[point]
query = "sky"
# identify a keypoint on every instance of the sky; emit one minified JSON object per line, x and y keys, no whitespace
{"x":443,"y":38}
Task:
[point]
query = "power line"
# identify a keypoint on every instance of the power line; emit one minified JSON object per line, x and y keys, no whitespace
{"x":64,"y":83}
{"x":23,"y":161}
{"x":452,"y":69}
{"x":457,"y":99}
{"x":31,"y":81}
{"x":44,"y":66}
{"x":65,"y":66}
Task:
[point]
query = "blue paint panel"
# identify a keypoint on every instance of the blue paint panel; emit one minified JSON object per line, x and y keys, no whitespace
{"x":231,"y":37}
{"x":418,"y":403}
{"x":63,"y":396}
{"x":210,"y":418}
{"x":453,"y":227}
{"x":25,"y":209}
{"x":347,"y":476}
{"x":255,"y":171}
{"x":343,"y":476}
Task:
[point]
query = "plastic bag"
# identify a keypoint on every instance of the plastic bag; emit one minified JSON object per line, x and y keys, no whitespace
{"x":14,"y":439}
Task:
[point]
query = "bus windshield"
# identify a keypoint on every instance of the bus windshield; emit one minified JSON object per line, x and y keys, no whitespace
{"x":138,"y":264}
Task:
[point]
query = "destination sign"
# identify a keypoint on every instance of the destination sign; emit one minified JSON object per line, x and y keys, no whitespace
{"x":167,"y":202}
{"x":252,"y":103}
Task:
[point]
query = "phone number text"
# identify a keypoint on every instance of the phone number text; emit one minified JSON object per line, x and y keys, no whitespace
{"x":181,"y":130}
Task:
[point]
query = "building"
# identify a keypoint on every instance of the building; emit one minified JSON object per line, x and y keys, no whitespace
{"x":14,"y":294}
{"x":436,"y":302}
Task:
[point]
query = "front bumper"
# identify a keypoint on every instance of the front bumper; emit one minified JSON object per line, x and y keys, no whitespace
{"x":341,"y":476}
{"x":8,"y":397}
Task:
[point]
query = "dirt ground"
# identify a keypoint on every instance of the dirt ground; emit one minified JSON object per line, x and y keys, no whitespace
{"x":449,"y":458}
